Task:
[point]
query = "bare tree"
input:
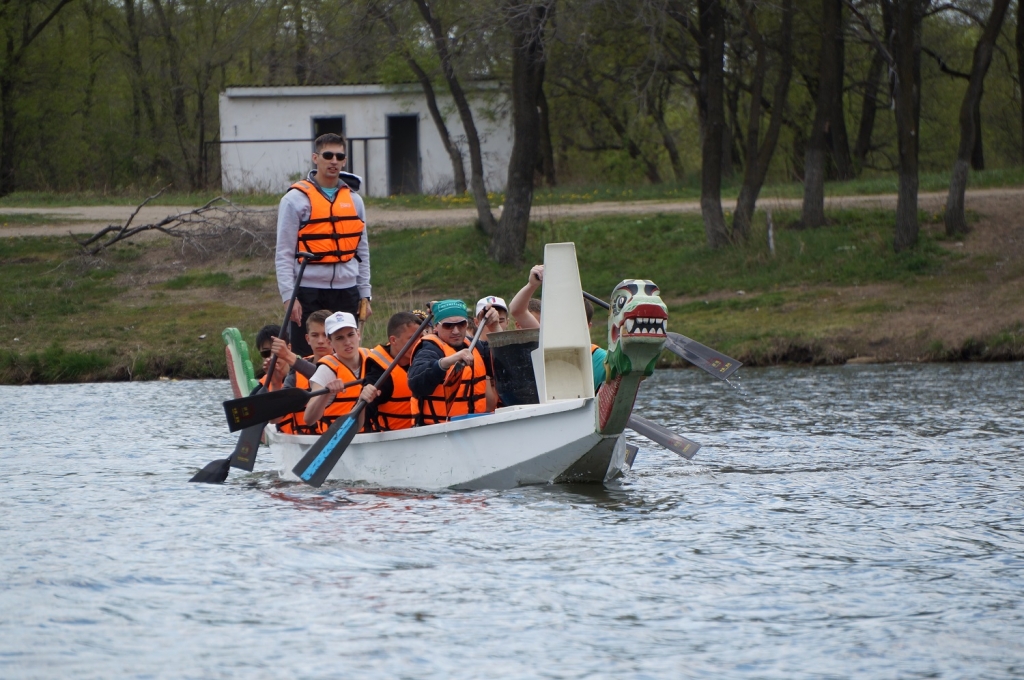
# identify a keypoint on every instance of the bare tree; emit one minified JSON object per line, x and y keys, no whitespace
{"x":440,"y":38}
{"x":956,"y":220}
{"x":759,"y":157}
{"x":454,"y":153}
{"x":527,"y":22}
{"x":868,"y":109}
{"x":22,"y":23}
{"x":828,"y":124}
{"x":711,"y":21}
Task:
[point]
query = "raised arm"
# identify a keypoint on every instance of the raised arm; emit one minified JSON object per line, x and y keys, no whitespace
{"x":519,"y":307}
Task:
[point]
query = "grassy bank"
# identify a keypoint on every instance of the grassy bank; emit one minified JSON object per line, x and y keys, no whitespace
{"x":868,"y":183}
{"x":825,"y":296}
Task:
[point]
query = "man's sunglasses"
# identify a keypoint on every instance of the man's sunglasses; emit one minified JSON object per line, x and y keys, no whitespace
{"x":265,"y":353}
{"x":329,"y":155}
{"x":453,"y":324}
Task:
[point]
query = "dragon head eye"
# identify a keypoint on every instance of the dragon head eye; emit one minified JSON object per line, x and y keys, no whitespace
{"x":618,"y":303}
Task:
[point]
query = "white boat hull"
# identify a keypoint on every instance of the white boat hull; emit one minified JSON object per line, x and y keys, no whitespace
{"x":516,"y":446}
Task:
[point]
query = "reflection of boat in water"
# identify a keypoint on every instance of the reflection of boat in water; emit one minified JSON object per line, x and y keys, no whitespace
{"x":570,"y":435}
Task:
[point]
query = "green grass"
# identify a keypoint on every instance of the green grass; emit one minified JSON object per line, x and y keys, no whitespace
{"x":31,"y":219}
{"x":85,"y":318}
{"x":871,"y":182}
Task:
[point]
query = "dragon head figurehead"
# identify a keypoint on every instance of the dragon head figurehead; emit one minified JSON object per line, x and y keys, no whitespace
{"x":637,"y":323}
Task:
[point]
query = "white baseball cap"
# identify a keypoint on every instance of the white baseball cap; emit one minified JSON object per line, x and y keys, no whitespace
{"x":491,"y":300}
{"x":337,"y":321}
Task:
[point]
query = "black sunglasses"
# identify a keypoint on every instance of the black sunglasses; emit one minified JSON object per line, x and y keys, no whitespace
{"x":329,"y":155}
{"x":454,"y":324}
{"x":265,"y":353}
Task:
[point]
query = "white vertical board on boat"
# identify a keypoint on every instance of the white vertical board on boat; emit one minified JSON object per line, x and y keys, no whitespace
{"x":562,"y":363}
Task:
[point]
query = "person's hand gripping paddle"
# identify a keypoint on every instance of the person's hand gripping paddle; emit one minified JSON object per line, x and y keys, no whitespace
{"x":244,"y":455}
{"x":325,"y":453}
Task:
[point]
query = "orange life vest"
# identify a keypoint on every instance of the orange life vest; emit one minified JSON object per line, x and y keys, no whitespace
{"x":295,"y":423}
{"x":345,"y":400}
{"x":471,"y":395}
{"x":396,"y":412}
{"x":333,"y":229}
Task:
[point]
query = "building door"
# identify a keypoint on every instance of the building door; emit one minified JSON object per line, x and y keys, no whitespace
{"x":403,"y":155}
{"x":335,"y":124}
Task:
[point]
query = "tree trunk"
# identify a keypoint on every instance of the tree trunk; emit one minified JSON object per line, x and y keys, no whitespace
{"x":527,"y":26}
{"x":869,"y":106}
{"x":301,"y":44}
{"x":546,"y":150}
{"x":760,"y":158}
{"x":20,"y":35}
{"x":656,"y":109}
{"x":840,"y":141}
{"x":711,"y":16}
{"x":956,"y":220}
{"x":906,"y":51}
{"x":454,"y":153}
{"x":476,"y":161}
{"x":978,"y":152}
{"x":1019,"y":40}
{"x":829,"y":82}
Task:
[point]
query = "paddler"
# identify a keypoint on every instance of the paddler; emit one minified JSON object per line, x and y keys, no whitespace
{"x":525,"y":309}
{"x":303,"y":368}
{"x":392,"y":410}
{"x":438,"y":352}
{"x":500,"y":306}
{"x":346,"y":364}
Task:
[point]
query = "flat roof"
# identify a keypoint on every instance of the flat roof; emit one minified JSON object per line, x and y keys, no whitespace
{"x":263,"y":91}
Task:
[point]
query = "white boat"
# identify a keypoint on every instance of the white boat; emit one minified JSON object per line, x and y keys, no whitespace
{"x":570,"y":436}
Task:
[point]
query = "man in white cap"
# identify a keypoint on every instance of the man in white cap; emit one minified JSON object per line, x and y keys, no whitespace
{"x":499,"y":306}
{"x":346,"y":365}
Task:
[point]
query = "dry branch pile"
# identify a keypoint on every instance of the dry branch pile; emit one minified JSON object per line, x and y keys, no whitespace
{"x":218,"y":228}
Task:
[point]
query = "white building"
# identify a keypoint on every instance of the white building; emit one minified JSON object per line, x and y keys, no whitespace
{"x":267,"y":133}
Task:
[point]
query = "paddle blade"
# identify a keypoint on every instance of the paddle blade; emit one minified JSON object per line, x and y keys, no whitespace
{"x":215,"y":472}
{"x":676,"y":443}
{"x":702,"y":356}
{"x":263,"y":407}
{"x":326,"y":452}
{"x":244,"y":455}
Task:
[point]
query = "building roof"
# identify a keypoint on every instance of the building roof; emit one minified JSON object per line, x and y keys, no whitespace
{"x":363,"y":89}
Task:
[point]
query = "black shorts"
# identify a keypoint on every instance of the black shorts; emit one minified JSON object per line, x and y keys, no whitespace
{"x":313,"y":299}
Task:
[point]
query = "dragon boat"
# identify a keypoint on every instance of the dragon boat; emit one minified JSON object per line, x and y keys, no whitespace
{"x":571,"y":435}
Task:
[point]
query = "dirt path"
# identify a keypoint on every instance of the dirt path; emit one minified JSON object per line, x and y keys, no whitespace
{"x":88,"y":219}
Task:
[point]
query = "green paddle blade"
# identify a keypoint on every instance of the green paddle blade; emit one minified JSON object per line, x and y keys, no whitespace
{"x":702,"y":356}
{"x":263,"y":407}
{"x":676,"y":443}
{"x":326,"y":452}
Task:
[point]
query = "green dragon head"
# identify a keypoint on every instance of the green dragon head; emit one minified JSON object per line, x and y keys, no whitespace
{"x":637,"y":323}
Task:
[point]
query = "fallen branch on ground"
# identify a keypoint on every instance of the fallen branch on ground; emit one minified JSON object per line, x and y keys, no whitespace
{"x":219,"y":226}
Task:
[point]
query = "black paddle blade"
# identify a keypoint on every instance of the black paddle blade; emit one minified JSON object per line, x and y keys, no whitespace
{"x":244,"y":455}
{"x":265,"y":406}
{"x":702,"y":356}
{"x":326,"y":452}
{"x":215,"y":472}
{"x":676,"y":443}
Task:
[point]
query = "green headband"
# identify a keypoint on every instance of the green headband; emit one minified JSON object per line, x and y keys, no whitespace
{"x":446,"y":309}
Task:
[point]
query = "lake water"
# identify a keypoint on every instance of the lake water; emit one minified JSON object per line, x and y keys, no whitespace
{"x":859,"y":521}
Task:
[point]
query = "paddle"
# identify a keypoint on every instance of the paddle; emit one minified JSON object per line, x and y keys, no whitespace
{"x":455,"y":372}
{"x":266,"y":406}
{"x":701,"y":356}
{"x":244,"y":455}
{"x":325,"y":453}
{"x":676,"y":443}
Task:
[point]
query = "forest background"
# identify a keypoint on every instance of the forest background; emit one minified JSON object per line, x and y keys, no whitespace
{"x":121,"y":95}
{"x":113,"y":100}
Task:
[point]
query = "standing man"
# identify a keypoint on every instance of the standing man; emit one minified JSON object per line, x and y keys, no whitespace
{"x":323,"y":215}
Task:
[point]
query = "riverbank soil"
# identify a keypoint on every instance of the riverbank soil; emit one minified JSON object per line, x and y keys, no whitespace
{"x":155,"y":307}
